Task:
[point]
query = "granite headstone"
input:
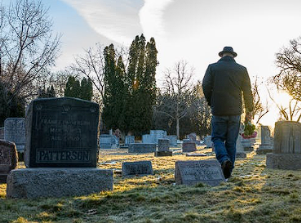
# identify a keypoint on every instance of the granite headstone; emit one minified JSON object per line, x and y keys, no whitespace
{"x":266,"y":143}
{"x":8,"y":159}
{"x":172,"y":140}
{"x":14,"y":131}
{"x":61,"y":132}
{"x":163,"y":148}
{"x":202,"y":171}
{"x":188,"y":147}
{"x":137,"y":168}
{"x":129,"y":140}
{"x":287,"y":146}
{"x":142,"y":148}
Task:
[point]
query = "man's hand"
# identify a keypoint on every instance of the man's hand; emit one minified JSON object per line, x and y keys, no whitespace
{"x":248,"y":117}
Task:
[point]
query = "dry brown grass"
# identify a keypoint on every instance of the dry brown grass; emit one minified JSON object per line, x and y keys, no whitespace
{"x":254,"y":194}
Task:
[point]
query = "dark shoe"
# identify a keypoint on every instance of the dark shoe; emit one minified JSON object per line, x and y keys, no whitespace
{"x":226,"y":167}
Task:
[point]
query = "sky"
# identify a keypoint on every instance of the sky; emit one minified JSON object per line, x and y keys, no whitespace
{"x":191,"y":30}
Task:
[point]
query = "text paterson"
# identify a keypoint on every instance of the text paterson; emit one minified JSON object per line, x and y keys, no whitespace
{"x":66,"y":156}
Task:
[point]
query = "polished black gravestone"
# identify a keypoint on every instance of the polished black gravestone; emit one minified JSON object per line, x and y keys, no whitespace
{"x":137,"y":168}
{"x":202,"y":171}
{"x":61,"y":132}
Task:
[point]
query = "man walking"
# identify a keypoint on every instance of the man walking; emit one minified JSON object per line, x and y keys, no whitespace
{"x":224,"y":84}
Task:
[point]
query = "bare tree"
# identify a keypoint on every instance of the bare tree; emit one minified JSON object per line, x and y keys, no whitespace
{"x":28,"y":48}
{"x":291,"y":112}
{"x":177,"y":92}
{"x":288,"y":60}
{"x":91,"y":65}
{"x":259,"y":110}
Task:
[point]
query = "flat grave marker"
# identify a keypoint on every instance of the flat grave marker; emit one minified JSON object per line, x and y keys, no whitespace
{"x":137,"y":168}
{"x":202,"y":171}
{"x":142,"y":148}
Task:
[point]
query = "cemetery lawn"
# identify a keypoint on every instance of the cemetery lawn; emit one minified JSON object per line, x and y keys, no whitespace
{"x":253,"y":194}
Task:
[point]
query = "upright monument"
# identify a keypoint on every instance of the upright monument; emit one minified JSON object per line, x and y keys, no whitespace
{"x":61,"y":134}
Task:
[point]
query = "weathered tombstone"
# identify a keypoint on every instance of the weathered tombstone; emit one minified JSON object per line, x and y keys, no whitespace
{"x":105,"y":141}
{"x":8,"y":159}
{"x":61,"y":132}
{"x":202,"y":171}
{"x":158,"y":134}
{"x":129,"y":140}
{"x":240,"y":152}
{"x":186,"y":140}
{"x":247,"y":144}
{"x":287,"y":146}
{"x":163,"y":148}
{"x":147,"y":138}
{"x":14,"y":131}
{"x":142,"y":148}
{"x":2,"y":133}
{"x":137,"y":168}
{"x":188,"y":147}
{"x":208,"y":142}
{"x":172,"y":140}
{"x":192,"y":137}
{"x":115,"y":141}
{"x":266,"y":145}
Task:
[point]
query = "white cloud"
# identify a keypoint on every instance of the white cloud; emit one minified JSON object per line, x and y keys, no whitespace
{"x":116,"y":20}
{"x":151,"y":17}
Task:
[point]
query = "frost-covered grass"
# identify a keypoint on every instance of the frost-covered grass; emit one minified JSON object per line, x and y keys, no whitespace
{"x":254,"y":194}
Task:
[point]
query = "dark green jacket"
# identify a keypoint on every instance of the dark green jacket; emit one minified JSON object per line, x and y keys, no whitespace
{"x":224,"y":85}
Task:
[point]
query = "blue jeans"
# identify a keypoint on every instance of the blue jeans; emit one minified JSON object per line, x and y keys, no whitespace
{"x":225,"y":131}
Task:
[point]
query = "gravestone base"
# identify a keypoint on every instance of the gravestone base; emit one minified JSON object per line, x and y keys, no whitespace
{"x":264,"y":150}
{"x":3,"y":178}
{"x":196,"y":154}
{"x":241,"y":155}
{"x":284,"y":161}
{"x":57,"y":182}
{"x":163,"y":153}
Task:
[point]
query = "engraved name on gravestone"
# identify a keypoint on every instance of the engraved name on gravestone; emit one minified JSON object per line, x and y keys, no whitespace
{"x":202,"y":171}
{"x":14,"y":131}
{"x":61,"y":132}
{"x":137,"y":168}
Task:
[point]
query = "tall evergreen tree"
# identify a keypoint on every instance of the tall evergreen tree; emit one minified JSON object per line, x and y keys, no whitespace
{"x":142,"y":88}
{"x":76,"y":89}
{"x":86,"y":89}
{"x":130,"y":93}
{"x":109,"y":110}
{"x":72,"y":88}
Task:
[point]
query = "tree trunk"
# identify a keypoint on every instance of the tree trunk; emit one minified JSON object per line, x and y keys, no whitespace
{"x":178,"y":127}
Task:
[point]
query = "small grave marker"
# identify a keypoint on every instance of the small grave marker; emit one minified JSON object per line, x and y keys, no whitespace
{"x":188,"y":147}
{"x":8,"y":159}
{"x":194,"y":172}
{"x":142,"y":148}
{"x":137,"y":168}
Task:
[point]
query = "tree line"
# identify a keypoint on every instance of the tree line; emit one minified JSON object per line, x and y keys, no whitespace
{"x":122,"y":80}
